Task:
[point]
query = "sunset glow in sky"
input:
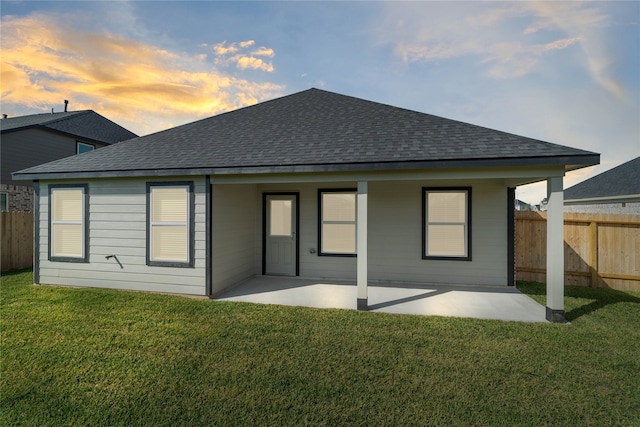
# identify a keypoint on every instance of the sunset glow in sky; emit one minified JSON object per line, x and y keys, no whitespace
{"x":563,"y":72}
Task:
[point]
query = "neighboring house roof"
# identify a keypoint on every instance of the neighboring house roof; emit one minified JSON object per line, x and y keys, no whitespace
{"x":86,"y":124}
{"x":621,"y":183}
{"x":314,"y":131}
{"x":520,"y":205}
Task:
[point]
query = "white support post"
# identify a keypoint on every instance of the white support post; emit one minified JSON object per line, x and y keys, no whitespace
{"x":361,"y":234}
{"x":555,"y":250}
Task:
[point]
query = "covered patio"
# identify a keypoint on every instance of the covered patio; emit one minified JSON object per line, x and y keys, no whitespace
{"x":481,"y":302}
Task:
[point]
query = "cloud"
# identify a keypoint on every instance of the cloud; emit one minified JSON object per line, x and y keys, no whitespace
{"x":585,"y":21}
{"x":244,"y":61}
{"x":222,"y":49}
{"x":514,"y":59}
{"x":139,"y":85}
{"x":263,"y":51}
{"x":561,"y":44}
{"x":508,"y":40}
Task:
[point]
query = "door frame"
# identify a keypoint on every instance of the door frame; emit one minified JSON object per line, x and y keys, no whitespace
{"x":264,"y":227}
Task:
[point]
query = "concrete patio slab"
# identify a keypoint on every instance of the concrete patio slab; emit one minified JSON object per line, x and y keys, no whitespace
{"x":482,"y":302}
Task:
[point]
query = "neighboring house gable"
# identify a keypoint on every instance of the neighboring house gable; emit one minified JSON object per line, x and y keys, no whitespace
{"x":616,"y":191}
{"x":40,"y":138}
{"x":285,"y":187}
{"x":522,"y":206}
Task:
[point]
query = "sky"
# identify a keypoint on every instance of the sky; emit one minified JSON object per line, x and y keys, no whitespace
{"x":562,"y":72}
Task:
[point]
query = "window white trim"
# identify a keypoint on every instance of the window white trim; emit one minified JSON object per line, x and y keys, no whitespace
{"x":68,"y":223}
{"x":170,"y":240}
{"x":446,"y":223}
{"x":341,"y":223}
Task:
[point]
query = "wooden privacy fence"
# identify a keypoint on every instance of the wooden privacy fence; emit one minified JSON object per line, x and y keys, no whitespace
{"x":600,"y":250}
{"x":16,"y":234}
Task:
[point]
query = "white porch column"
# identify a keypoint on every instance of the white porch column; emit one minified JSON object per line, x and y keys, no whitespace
{"x":555,"y":250}
{"x":361,"y":234}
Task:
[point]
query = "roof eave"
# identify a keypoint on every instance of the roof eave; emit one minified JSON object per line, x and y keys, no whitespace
{"x":574,"y":162}
{"x":626,"y":198}
{"x":59,"y":132}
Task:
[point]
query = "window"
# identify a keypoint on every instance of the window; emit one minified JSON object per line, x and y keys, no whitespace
{"x":447,"y":223}
{"x":170,"y":224}
{"x":337,"y":222}
{"x":280,"y":217}
{"x":68,"y":220}
{"x":81,"y":147}
{"x":4,"y":202}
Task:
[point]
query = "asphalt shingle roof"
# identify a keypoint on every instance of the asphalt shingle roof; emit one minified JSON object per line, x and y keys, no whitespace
{"x":316,"y":130}
{"x":623,"y":180}
{"x":85,"y":124}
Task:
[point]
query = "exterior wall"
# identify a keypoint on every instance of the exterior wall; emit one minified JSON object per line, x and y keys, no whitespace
{"x":19,"y":197}
{"x":395,"y":234}
{"x":311,"y":264}
{"x":117,"y":226}
{"x":31,"y":147}
{"x":234,"y":234}
{"x":626,"y":208}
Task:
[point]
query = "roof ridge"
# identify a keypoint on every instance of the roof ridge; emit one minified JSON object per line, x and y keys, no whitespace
{"x":69,"y":115}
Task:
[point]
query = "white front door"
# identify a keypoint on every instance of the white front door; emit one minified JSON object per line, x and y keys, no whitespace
{"x":281,"y":248}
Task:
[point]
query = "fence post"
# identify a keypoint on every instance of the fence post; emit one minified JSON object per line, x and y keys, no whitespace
{"x":593,"y":253}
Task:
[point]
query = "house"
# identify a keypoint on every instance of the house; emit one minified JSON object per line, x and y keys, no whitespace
{"x":522,"y":206}
{"x":314,"y":184}
{"x":39,"y":138}
{"x":616,"y":191}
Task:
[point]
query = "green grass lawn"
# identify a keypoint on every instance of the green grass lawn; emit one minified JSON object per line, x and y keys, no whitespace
{"x":99,"y":357}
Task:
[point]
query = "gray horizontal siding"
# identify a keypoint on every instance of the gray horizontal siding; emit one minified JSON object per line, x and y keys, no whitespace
{"x":117,"y":226}
{"x":234,"y":245}
{"x":311,"y":265}
{"x":395,"y":234}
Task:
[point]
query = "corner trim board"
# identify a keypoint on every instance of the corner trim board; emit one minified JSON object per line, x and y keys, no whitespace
{"x":511,"y":236}
{"x":208,"y":256}
{"x":36,"y":232}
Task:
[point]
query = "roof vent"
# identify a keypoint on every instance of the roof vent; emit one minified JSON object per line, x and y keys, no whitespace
{"x":66,"y":103}
{"x":4,"y":116}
